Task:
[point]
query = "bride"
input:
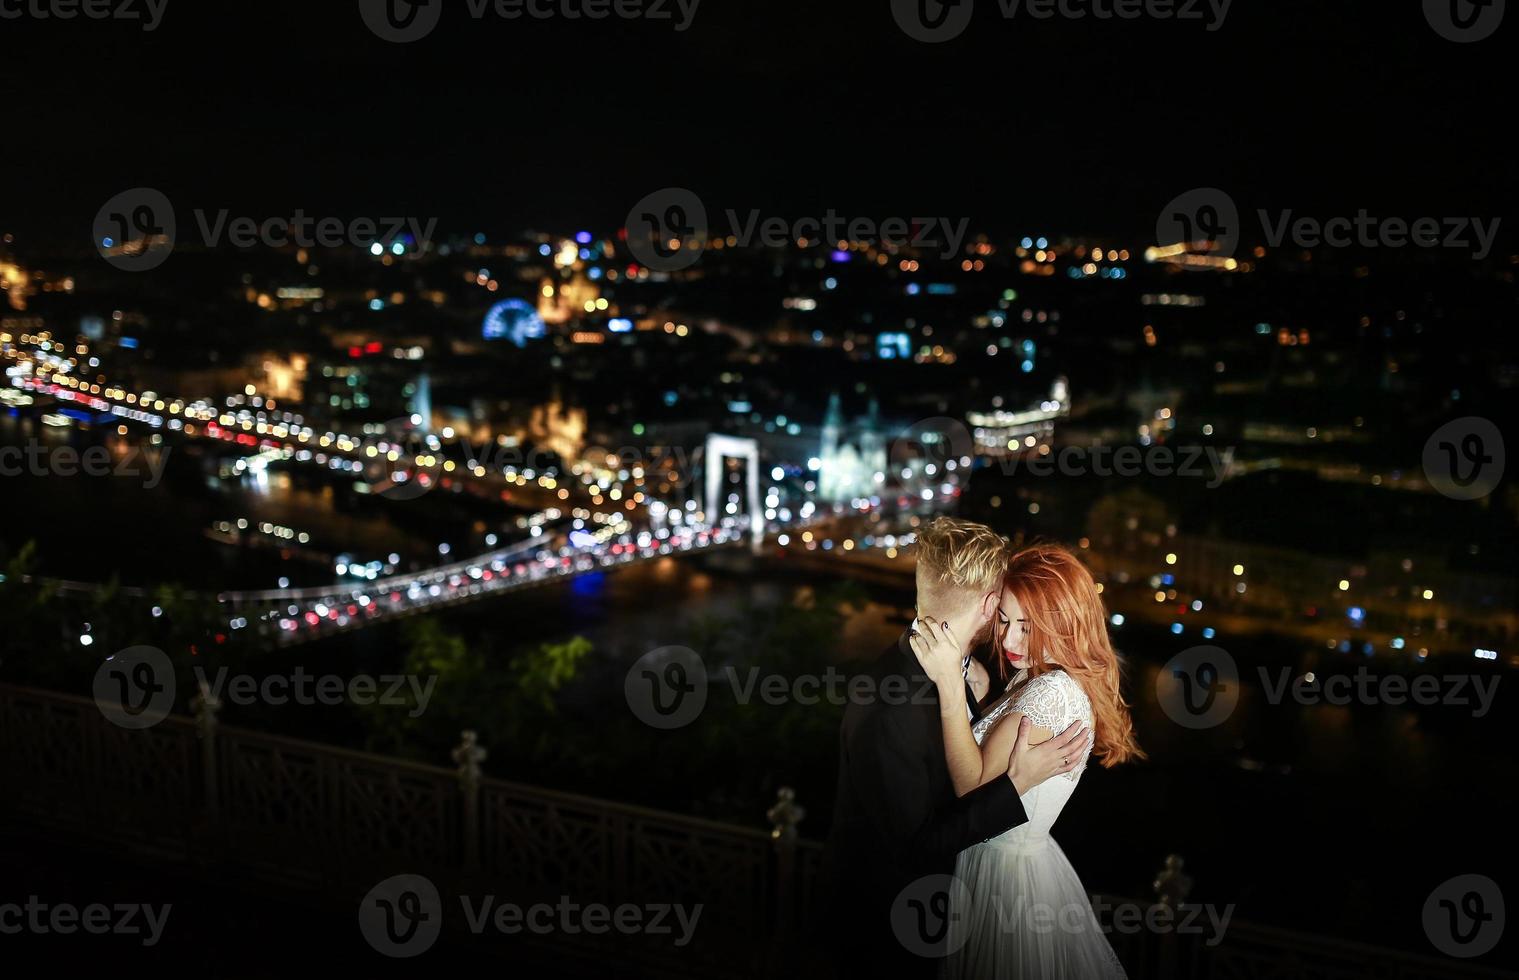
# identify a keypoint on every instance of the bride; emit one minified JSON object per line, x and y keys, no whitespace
{"x":1027,"y":913}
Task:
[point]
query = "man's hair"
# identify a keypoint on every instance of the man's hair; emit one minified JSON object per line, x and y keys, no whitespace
{"x":962,"y":555}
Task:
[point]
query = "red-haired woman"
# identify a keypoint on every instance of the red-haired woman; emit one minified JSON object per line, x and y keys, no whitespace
{"x":1023,"y":911}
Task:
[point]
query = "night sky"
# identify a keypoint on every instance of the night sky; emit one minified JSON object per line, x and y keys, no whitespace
{"x":792,"y":106}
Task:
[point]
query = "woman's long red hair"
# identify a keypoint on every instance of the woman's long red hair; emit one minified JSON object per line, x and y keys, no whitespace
{"x":1068,"y":628}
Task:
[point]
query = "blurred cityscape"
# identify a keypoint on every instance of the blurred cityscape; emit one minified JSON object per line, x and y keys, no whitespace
{"x":523,"y":545}
{"x":318,"y":446}
{"x":543,"y":407}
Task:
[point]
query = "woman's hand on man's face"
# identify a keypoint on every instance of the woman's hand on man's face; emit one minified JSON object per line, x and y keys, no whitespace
{"x":937,"y":651}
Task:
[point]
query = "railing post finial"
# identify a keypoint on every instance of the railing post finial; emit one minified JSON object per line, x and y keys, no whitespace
{"x":468,"y":757}
{"x":784,"y":817}
{"x":205,"y":705}
{"x":1172,"y":885}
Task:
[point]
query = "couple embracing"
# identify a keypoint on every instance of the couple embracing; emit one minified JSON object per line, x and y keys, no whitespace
{"x":940,"y":858}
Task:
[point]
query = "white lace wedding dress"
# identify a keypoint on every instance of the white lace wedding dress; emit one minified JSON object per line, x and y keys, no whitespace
{"x":1026,"y":914}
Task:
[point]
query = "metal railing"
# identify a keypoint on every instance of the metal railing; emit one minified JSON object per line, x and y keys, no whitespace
{"x":331,"y":822}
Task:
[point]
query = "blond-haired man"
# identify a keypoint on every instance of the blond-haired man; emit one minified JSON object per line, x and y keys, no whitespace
{"x":959,"y":584}
{"x":896,"y":817}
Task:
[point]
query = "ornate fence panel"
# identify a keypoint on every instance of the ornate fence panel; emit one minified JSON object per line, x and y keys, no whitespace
{"x":62,"y":762}
{"x":329,"y":821}
{"x":329,"y":817}
{"x":545,"y":845}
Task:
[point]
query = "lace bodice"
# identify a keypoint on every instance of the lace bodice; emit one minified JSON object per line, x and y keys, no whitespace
{"x":1052,"y":700}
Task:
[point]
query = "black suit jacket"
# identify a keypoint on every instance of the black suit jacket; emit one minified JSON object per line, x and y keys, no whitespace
{"x":896,"y":817}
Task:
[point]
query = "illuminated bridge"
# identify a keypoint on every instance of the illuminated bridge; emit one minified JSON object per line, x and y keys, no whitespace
{"x":292,"y":616}
{"x":632,"y":529}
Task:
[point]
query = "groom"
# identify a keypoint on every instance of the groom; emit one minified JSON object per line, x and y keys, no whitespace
{"x":896,"y":816}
